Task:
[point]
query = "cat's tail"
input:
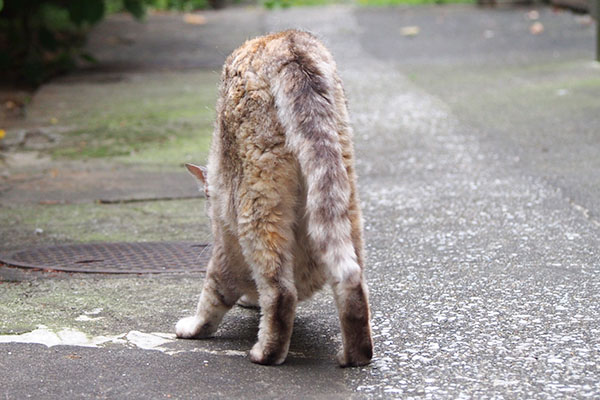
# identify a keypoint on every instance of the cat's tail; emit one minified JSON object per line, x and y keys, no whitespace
{"x":305,"y":90}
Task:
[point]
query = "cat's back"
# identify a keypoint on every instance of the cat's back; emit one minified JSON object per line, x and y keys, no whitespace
{"x":267,"y":54}
{"x":246,"y":112}
{"x":249,"y":70}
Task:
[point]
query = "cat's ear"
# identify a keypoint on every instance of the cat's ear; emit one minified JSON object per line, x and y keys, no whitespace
{"x":198,"y":171}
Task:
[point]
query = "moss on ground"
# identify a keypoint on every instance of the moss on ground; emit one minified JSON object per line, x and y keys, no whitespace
{"x":145,"y":120}
{"x":113,"y":305}
{"x":143,"y":221}
{"x":118,"y":303}
{"x":151,"y":118}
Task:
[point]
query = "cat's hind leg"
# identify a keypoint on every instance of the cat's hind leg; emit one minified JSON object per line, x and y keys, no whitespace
{"x":221,"y":289}
{"x":266,"y":235}
{"x":353,"y":310}
{"x":351,"y":297}
{"x":271,"y":263}
{"x":277,"y":300}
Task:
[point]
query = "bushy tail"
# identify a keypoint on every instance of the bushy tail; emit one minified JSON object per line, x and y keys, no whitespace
{"x":304,"y":91}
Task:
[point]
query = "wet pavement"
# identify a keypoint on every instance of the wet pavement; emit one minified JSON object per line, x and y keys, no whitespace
{"x":476,"y":146}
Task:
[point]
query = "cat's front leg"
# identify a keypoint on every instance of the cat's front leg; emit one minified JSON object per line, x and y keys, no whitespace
{"x":210,"y":311}
{"x":218,"y":296}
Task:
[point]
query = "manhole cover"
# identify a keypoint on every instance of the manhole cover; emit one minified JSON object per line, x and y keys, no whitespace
{"x":114,"y":258}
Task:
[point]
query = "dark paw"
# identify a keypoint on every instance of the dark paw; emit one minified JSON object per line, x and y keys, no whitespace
{"x":357,"y":357}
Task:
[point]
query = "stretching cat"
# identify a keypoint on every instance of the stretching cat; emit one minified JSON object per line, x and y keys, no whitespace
{"x":281,"y":194}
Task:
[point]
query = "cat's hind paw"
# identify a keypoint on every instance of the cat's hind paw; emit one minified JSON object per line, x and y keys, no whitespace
{"x":248,"y":302}
{"x":356,"y":358}
{"x":193,"y":328}
{"x":259,"y":355}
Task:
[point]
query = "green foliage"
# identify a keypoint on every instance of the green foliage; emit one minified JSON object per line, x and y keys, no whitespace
{"x":43,"y":38}
{"x":82,"y":11}
{"x":274,"y":4}
{"x":180,"y":5}
{"x":137,"y":8}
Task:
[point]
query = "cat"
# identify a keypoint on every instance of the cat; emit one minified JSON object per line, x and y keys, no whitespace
{"x":282,"y":198}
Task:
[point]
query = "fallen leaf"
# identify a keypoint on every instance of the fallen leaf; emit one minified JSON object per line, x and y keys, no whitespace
{"x":409,"y":30}
{"x":584,"y":19}
{"x":194,"y":19}
{"x":536,"y":28}
{"x":2,"y":134}
{"x":54,"y":120}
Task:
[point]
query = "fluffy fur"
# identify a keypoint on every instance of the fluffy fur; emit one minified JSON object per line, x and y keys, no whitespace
{"x":282,"y":197}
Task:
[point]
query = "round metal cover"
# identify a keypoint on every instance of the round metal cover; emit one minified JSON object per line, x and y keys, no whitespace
{"x":114,"y":258}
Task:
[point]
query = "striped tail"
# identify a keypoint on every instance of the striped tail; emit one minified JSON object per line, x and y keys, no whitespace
{"x":304,"y":90}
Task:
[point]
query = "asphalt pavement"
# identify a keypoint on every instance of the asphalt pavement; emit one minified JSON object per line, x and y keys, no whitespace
{"x":477,"y":141}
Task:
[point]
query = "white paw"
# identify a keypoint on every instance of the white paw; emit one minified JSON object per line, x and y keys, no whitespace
{"x":188,"y":327}
{"x":248,"y":302}
{"x":258,"y":355}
